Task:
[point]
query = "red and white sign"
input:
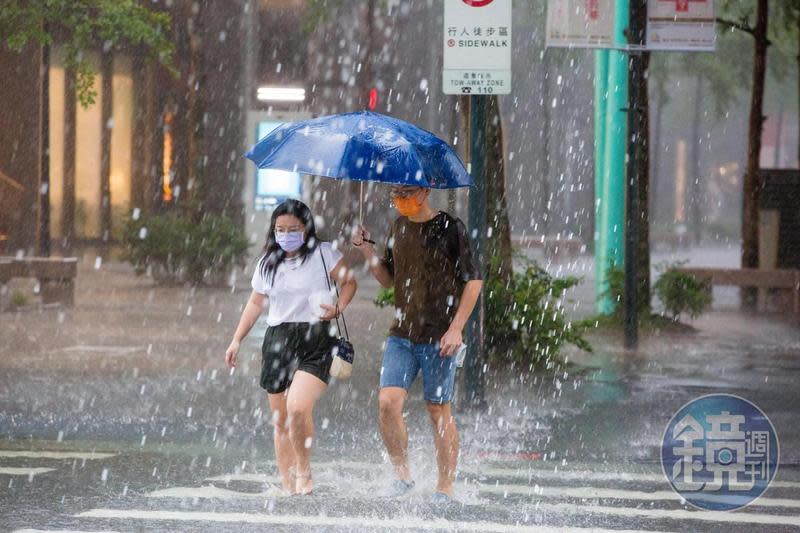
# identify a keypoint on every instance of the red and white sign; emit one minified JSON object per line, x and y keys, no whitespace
{"x":477,"y":47}
{"x":580,"y":23}
{"x":680,"y":25}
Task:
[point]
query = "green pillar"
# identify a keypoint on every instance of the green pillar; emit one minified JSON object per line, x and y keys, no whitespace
{"x":612,"y":194}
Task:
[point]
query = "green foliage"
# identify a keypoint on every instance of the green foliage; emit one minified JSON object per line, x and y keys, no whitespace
{"x":615,"y":289}
{"x":175,"y":249}
{"x":86,"y":25}
{"x":18,"y":299}
{"x":525,"y":320}
{"x":384,"y":297}
{"x":681,"y":293}
{"x":320,"y":11}
{"x":615,"y":292}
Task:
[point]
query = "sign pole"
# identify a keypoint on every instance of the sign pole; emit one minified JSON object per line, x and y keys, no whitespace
{"x":474,"y":371}
{"x":477,"y":62}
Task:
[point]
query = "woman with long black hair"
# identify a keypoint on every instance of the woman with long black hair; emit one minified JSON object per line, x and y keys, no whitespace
{"x":292,"y":279}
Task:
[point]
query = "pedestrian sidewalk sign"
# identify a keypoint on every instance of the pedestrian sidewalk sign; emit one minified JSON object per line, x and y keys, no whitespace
{"x":477,"y":47}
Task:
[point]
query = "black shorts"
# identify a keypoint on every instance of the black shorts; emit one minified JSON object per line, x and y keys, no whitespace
{"x":293,"y":346}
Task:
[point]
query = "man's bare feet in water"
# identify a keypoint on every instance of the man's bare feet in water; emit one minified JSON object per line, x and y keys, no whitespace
{"x":304,"y":485}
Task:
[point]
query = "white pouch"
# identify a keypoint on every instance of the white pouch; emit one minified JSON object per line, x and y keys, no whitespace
{"x":341,"y":369}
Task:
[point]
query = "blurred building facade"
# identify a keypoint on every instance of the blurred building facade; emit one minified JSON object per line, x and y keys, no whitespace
{"x":155,"y":142}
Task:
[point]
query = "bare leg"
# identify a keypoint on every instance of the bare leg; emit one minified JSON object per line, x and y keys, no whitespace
{"x":284,"y":453}
{"x":393,"y":429}
{"x":303,"y":394}
{"x":445,"y":437}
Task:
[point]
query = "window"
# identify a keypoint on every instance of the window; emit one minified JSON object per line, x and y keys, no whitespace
{"x":274,"y":186}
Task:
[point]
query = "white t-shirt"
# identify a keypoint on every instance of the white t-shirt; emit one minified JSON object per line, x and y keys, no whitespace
{"x":295,"y":282}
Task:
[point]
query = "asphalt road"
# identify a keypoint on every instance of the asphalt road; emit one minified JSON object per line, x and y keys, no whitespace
{"x":118,"y":415}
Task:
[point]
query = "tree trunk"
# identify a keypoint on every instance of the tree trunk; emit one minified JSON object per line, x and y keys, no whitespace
{"x":68,"y":199}
{"x":544,"y":158}
{"x":692,"y":195}
{"x":643,"y":153}
{"x":498,"y":245}
{"x":660,"y":92}
{"x":44,"y":154}
{"x":106,"y":73}
{"x":751,"y":186}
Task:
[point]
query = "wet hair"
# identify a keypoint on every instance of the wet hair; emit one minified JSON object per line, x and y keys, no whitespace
{"x":273,"y":254}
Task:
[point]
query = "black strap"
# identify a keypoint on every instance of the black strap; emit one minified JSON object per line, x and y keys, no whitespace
{"x":328,"y":280}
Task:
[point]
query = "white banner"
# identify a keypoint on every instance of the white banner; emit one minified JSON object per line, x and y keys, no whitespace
{"x":477,"y":47}
{"x":580,"y":23}
{"x":680,"y":25}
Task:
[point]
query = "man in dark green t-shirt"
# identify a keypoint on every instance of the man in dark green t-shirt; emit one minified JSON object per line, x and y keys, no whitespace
{"x":436,"y":283}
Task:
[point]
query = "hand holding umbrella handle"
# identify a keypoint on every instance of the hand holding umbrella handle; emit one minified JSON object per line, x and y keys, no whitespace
{"x":363,"y":235}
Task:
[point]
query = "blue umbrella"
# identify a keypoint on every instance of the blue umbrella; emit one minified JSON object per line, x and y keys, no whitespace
{"x":362,"y":146}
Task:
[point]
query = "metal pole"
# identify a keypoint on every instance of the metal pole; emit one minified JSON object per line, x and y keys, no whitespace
{"x":637,"y":25}
{"x":612,"y":223}
{"x":474,"y":365}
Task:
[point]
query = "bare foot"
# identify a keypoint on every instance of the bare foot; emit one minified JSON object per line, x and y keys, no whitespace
{"x":290,"y":485}
{"x":304,"y":484}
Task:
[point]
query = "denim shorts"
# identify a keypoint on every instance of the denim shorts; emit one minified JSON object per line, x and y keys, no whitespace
{"x":403,"y":359}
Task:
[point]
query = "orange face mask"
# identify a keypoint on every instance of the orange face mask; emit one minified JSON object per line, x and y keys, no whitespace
{"x":408,"y":207}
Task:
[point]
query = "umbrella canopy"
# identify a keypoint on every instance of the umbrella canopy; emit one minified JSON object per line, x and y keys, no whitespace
{"x":362,"y":146}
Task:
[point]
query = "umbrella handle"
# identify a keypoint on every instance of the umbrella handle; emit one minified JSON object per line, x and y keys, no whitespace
{"x":361,"y":202}
{"x":361,"y":208}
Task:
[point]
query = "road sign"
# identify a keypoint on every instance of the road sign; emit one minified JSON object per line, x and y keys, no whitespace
{"x":580,"y":23}
{"x":686,"y":25}
{"x":477,"y":47}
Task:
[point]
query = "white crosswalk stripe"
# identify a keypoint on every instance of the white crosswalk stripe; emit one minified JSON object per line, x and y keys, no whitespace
{"x":549,"y":500}
{"x":40,"y":454}
{"x":738,"y":517}
{"x":48,"y":457}
{"x":499,"y":493}
{"x":23,"y":471}
{"x":373,"y":524}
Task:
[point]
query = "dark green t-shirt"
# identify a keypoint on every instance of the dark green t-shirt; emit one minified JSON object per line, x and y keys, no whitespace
{"x":430,"y":263}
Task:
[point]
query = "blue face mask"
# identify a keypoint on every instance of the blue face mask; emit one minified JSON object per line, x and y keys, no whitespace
{"x":290,"y":241}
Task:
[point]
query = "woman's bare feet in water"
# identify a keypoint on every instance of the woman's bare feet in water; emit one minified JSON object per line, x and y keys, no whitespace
{"x":304,"y":485}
